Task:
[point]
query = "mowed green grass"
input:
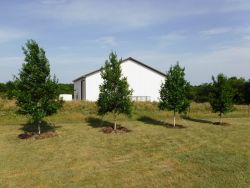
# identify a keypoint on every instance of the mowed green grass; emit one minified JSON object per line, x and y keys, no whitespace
{"x":151,"y":155}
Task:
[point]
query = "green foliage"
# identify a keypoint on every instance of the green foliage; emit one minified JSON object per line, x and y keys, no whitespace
{"x":152,"y":155}
{"x":221,"y":99}
{"x":174,"y":92}
{"x":247,"y":92}
{"x":115,"y":95}
{"x":36,"y":92}
{"x":10,"y":86}
{"x":66,"y":88}
{"x":201,"y":92}
{"x":237,"y":85}
{"x":247,"y":95}
{"x":6,"y":90}
{"x":2,"y":88}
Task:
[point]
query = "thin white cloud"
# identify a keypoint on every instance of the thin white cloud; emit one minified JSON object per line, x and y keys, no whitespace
{"x":235,"y":5}
{"x":52,"y":2}
{"x":7,"y":35}
{"x":128,"y":14}
{"x":216,"y":31}
{"x":9,"y":67}
{"x":237,"y":55}
{"x":172,"y":37}
{"x":240,"y":32}
{"x":107,"y":41}
{"x":10,"y":60}
{"x":246,"y":37}
{"x":116,"y":14}
{"x":169,"y":39}
{"x":232,"y":61}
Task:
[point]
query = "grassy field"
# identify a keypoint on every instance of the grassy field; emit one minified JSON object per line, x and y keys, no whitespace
{"x":153,"y":154}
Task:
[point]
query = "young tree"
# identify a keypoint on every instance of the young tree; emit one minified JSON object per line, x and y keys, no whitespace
{"x":174,"y":91}
{"x":115,"y":95}
{"x":35,"y":91}
{"x":247,"y":94}
{"x":221,"y":98}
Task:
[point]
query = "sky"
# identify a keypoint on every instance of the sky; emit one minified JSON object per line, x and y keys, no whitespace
{"x":207,"y":37}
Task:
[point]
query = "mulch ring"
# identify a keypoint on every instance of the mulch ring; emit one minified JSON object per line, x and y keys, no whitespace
{"x":36,"y":136}
{"x":119,"y":129}
{"x":221,"y":124}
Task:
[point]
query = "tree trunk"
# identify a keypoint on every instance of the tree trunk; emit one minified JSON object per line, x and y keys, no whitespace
{"x":39,"y":127}
{"x":220,"y":118}
{"x":174,"y":118}
{"x":115,"y":122}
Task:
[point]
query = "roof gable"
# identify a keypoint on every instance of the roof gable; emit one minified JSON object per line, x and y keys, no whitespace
{"x":131,"y":59}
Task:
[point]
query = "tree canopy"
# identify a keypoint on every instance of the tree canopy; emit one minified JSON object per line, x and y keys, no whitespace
{"x":36,"y":92}
{"x":221,"y":99}
{"x":174,"y":91}
{"x":115,"y":95}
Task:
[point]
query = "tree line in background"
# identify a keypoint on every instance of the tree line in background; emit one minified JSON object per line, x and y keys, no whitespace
{"x":239,"y":90}
{"x":6,"y":89}
{"x":240,"y":87}
{"x":200,"y":93}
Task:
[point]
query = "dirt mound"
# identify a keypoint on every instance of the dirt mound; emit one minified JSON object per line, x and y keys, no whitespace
{"x":36,"y":136}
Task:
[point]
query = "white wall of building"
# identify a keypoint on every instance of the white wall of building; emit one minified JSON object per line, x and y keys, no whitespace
{"x":92,"y":86}
{"x":65,"y":97}
{"x":144,"y":82}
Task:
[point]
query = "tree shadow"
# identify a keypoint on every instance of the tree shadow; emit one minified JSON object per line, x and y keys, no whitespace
{"x":151,"y":121}
{"x":98,"y":123}
{"x":197,"y":120}
{"x":222,"y":123}
{"x":31,"y":127}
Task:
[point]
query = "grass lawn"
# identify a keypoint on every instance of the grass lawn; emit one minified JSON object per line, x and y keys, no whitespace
{"x":152,"y":155}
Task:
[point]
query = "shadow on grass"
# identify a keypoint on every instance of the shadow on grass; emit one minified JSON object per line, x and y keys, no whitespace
{"x":33,"y":127}
{"x":197,"y":120}
{"x":222,"y":124}
{"x":205,"y":121}
{"x":107,"y":127}
{"x":151,"y":121}
{"x":98,"y":123}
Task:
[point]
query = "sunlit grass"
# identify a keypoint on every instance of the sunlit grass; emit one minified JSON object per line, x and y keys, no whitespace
{"x":151,"y":155}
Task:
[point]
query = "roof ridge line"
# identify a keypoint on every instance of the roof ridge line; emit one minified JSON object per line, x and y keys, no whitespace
{"x":129,"y":58}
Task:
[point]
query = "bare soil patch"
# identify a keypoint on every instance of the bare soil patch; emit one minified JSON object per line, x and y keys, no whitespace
{"x":36,"y":136}
{"x":119,"y":129}
{"x":222,"y":124}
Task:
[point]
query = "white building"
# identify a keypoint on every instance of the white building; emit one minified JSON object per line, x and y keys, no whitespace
{"x":65,"y":97}
{"x":143,"y":79}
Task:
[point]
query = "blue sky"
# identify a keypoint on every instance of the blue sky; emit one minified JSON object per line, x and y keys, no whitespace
{"x":206,"y":36}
